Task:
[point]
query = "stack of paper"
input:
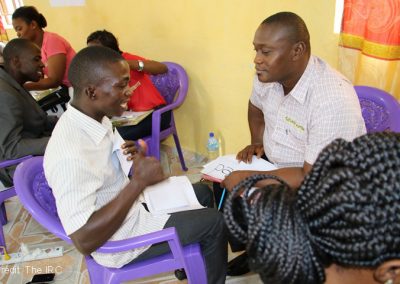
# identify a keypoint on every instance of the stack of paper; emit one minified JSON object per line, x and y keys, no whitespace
{"x":130,"y":118}
{"x":171,"y":195}
{"x":219,"y":168}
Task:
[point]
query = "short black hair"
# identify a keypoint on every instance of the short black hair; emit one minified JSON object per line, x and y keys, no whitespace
{"x":15,"y":47}
{"x":87,"y":66}
{"x":296,"y":27}
{"x":346,"y":212}
{"x":105,"y":38}
{"x":29,"y":14}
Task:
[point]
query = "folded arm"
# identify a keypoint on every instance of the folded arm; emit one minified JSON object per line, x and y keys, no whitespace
{"x":150,"y":66}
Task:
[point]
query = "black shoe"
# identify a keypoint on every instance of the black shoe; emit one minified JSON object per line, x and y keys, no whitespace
{"x":238,"y":265}
{"x":180,"y":274}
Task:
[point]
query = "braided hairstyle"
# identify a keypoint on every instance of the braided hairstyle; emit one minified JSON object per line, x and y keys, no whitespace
{"x":347,"y":212}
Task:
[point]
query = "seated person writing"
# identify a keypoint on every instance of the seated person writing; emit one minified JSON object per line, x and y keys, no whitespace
{"x":145,"y":96}
{"x":96,"y":201}
{"x":25,"y":127}
{"x":342,"y":226}
{"x":56,"y":51}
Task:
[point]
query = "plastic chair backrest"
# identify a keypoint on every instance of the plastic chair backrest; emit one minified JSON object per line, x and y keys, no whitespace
{"x":380,"y":110}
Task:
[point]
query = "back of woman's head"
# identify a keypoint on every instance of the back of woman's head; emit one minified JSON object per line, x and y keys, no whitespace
{"x":346,"y":212}
{"x":104,"y":38}
{"x":29,"y":14}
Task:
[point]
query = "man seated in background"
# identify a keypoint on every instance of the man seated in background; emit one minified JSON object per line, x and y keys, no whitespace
{"x":298,"y":105}
{"x":96,"y":201}
{"x":25,"y":127}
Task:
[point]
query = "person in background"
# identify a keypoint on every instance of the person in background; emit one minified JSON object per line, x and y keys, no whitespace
{"x":145,"y":96}
{"x":298,"y":105}
{"x":95,"y":200}
{"x":25,"y":127}
{"x":341,"y":226}
{"x":56,"y":51}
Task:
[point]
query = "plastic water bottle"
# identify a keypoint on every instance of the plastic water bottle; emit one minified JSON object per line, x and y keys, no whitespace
{"x":212,"y":147}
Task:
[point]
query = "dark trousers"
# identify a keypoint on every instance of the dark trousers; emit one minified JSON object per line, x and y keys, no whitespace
{"x":143,"y":128}
{"x":235,"y":244}
{"x":204,"y":226}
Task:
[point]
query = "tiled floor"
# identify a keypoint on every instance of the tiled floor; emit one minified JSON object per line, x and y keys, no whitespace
{"x":71,"y":268}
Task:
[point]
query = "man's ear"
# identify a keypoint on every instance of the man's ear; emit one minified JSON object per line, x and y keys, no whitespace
{"x":90,"y":92}
{"x":15,"y":62}
{"x":299,"y":48}
{"x":389,"y":270}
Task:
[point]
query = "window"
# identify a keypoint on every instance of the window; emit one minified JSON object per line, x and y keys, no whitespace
{"x":338,"y":16}
{"x":7,"y":8}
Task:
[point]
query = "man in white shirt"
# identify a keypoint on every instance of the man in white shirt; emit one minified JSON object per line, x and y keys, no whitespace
{"x":96,"y":201}
{"x":298,"y":105}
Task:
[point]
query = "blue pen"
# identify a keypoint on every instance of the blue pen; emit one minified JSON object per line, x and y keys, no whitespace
{"x":222,"y":199}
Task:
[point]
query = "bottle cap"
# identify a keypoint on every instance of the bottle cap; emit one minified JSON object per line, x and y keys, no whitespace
{"x":211,"y":134}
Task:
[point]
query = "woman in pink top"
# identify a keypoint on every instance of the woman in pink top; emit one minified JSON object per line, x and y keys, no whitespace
{"x":56,"y":53}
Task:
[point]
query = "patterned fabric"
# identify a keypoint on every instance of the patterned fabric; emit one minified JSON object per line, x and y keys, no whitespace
{"x":44,"y":195}
{"x":369,"y":44}
{"x":85,"y":175}
{"x":167,"y":84}
{"x":321,"y":107}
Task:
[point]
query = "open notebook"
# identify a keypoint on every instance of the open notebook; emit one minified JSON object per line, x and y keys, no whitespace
{"x":171,"y":195}
{"x":219,"y":168}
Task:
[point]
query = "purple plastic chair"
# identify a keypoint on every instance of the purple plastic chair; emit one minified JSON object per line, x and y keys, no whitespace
{"x":37,"y":198}
{"x":380,"y":110}
{"x":173,"y":86}
{"x":5,"y":194}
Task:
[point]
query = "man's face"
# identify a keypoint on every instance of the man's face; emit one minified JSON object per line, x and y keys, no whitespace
{"x":30,"y":64}
{"x":274,"y":52}
{"x":113,"y":92}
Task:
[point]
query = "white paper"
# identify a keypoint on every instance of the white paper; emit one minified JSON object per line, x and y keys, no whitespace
{"x":174,"y":194}
{"x":224,"y":165}
{"x":125,"y":164}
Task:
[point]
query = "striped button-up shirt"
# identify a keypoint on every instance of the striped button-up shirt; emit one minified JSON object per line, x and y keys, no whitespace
{"x":85,"y":174}
{"x":321,"y":107}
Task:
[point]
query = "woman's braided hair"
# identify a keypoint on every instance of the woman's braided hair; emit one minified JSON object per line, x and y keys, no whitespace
{"x":347,"y":212}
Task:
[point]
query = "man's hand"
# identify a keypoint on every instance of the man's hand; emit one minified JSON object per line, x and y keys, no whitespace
{"x":129,"y":148}
{"x":146,"y":170}
{"x":234,"y":178}
{"x":247,"y":153}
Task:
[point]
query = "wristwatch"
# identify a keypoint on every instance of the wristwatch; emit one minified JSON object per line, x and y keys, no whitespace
{"x":141,"y":66}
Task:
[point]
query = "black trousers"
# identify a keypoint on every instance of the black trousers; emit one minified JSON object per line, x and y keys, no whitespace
{"x":143,"y":128}
{"x":205,"y":226}
{"x":235,"y":244}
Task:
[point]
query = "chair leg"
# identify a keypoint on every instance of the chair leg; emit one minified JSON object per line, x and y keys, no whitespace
{"x":179,"y":150}
{"x":2,"y":239}
{"x":196,"y":265}
{"x":3,"y":214}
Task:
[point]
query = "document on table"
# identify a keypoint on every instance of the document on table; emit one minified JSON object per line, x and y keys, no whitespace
{"x":219,"y":168}
{"x":174,"y":194}
{"x":130,"y":118}
{"x":118,"y":141}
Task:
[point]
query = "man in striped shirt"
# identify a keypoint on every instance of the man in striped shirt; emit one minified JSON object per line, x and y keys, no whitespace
{"x":96,"y":201}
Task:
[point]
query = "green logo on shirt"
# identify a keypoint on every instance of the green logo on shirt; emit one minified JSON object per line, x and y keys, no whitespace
{"x":294,"y":123}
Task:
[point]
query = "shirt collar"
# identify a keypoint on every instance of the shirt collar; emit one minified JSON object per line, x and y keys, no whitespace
{"x":96,"y":131}
{"x":299,"y":92}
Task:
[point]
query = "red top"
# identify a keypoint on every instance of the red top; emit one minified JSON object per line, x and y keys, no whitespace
{"x":145,"y":96}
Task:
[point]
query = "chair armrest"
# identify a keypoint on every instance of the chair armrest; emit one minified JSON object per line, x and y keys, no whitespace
{"x":7,"y":163}
{"x":168,"y":234}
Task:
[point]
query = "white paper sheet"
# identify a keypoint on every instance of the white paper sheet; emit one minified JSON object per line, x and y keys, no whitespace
{"x":171,"y":195}
{"x":118,"y":141}
{"x":219,"y":168}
